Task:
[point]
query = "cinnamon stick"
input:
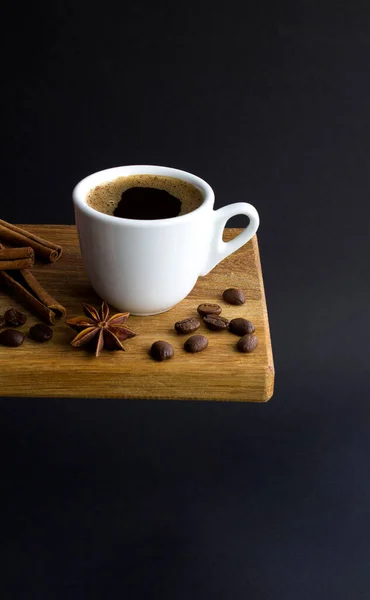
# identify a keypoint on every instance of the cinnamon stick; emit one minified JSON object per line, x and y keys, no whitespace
{"x":14,"y":235}
{"x":16,"y":258}
{"x":29,"y":290}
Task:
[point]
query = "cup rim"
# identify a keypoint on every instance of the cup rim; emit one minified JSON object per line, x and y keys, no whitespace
{"x":86,"y":184}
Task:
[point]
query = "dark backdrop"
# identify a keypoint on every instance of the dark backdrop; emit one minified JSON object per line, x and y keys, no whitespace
{"x":269,"y":104}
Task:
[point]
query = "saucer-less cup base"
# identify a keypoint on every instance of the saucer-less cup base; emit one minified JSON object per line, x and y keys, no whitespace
{"x":147,"y":267}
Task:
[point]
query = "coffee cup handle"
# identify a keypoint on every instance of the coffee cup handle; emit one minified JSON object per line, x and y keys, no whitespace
{"x":220,"y":249}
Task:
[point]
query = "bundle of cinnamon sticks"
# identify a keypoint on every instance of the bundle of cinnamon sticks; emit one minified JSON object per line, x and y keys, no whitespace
{"x":16,"y":261}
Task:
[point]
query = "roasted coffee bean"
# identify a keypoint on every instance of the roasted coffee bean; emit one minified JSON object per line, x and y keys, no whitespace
{"x":15,"y":317}
{"x":2,"y":321}
{"x":241,"y":326}
{"x":215,"y":322}
{"x":161,"y":350}
{"x":11,"y":337}
{"x":234,"y":296}
{"x":196,"y":343}
{"x":187,"y":325}
{"x":247,"y":343}
{"x":209,"y":309}
{"x":41,"y":332}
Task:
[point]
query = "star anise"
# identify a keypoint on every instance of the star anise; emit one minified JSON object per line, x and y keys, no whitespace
{"x":95,"y":326}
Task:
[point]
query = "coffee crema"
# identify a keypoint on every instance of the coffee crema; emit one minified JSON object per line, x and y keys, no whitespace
{"x":145,"y":197}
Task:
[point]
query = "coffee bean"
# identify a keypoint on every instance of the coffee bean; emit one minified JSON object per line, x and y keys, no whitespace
{"x":41,"y":332}
{"x":215,"y":322}
{"x":209,"y":309}
{"x":161,"y":350}
{"x":234,"y":296}
{"x":11,"y":337}
{"x":247,"y":343}
{"x":15,"y":317}
{"x":187,"y":325}
{"x":241,"y":326}
{"x":196,"y":343}
{"x":2,"y":321}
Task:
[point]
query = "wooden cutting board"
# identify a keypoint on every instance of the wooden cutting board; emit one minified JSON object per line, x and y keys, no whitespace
{"x":220,"y":372}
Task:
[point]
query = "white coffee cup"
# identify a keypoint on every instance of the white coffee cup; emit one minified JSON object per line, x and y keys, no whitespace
{"x":146,"y":267}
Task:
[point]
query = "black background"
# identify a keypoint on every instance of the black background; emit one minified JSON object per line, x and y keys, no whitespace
{"x":270,"y":104}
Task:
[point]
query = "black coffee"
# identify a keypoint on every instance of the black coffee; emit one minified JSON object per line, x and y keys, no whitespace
{"x":145,"y":197}
{"x":147,"y":203}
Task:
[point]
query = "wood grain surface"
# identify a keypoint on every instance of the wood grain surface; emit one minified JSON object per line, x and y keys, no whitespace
{"x":56,"y":369}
